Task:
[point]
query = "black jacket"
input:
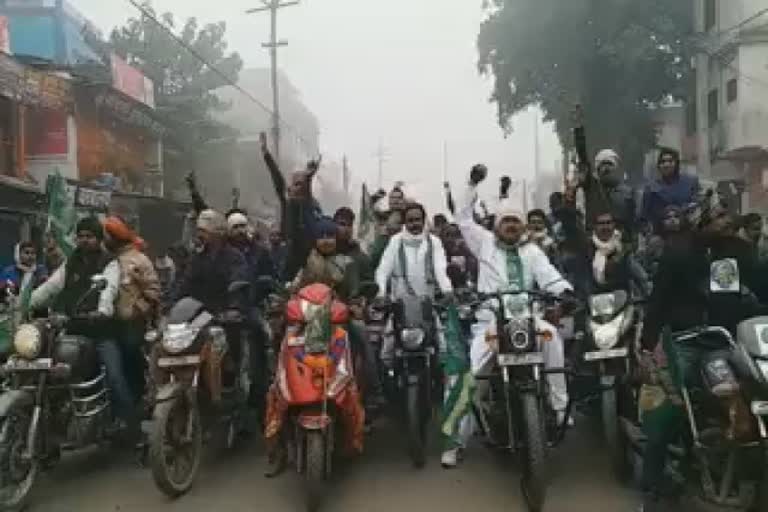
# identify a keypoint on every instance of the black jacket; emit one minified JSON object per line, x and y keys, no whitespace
{"x":208,"y":276}
{"x":681,"y":297}
{"x":258,"y":262}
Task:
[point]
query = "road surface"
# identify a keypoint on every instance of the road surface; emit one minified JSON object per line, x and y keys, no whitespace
{"x":381,"y":481}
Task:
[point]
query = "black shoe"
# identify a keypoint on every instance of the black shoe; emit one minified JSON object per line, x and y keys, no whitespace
{"x":276,"y":464}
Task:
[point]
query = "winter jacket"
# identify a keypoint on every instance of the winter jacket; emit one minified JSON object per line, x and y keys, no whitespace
{"x":258,"y":262}
{"x":210,"y":273}
{"x":681,"y":297}
{"x":67,"y":286}
{"x":659,"y":194}
{"x":139,"y":295}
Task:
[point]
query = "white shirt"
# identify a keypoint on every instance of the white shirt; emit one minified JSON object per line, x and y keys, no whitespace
{"x":416,"y":263}
{"x":46,"y":292}
{"x":492,"y":260}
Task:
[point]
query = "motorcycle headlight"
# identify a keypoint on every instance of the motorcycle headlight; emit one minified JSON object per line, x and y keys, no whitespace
{"x":607,"y":335}
{"x":519,"y":336}
{"x":28,"y":341}
{"x":178,"y":338}
{"x":412,"y":338}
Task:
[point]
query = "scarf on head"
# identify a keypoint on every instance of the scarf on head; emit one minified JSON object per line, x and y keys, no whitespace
{"x":603,"y":250}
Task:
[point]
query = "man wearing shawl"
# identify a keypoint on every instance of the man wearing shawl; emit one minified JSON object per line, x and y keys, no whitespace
{"x":414,"y":263}
{"x":509,"y":261}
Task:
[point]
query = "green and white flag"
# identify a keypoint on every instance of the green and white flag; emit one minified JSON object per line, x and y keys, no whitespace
{"x":62,"y":216}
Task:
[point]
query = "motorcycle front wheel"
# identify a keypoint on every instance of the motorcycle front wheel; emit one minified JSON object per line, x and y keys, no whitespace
{"x":175,"y":445}
{"x":534,"y":481}
{"x":315,"y":467}
{"x":762,"y":491}
{"x":414,"y":417}
{"x":17,"y":475}
{"x":614,"y":436}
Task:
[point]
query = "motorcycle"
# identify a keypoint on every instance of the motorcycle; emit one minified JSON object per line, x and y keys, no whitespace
{"x":414,"y":376}
{"x":515,"y":413}
{"x":613,"y":327}
{"x":201,"y":377}
{"x":314,"y":402}
{"x":55,"y":397}
{"x":726,"y":446}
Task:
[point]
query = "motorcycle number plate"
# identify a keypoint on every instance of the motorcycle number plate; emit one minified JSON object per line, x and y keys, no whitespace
{"x":760,"y":408}
{"x":166,"y":362}
{"x":600,"y":355}
{"x":18,"y":364}
{"x":521,"y":359}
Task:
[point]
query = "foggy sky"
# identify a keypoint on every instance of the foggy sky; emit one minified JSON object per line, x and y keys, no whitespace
{"x":402,"y":71}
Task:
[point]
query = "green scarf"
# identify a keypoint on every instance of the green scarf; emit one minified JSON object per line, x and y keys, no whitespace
{"x":514,"y":266}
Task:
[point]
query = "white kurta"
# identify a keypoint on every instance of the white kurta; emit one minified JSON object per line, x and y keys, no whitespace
{"x":493,"y":277}
{"x":390,"y":271}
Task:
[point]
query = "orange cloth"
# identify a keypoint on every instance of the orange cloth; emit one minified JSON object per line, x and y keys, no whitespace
{"x":119,"y":230}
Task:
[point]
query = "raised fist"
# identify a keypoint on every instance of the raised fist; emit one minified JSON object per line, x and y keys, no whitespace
{"x":478,"y":174}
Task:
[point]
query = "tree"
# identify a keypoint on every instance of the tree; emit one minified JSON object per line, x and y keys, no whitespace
{"x":614,"y":57}
{"x":184,"y":85}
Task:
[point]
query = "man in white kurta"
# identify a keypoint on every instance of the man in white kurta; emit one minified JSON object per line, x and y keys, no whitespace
{"x":414,"y":263}
{"x":507,"y":261}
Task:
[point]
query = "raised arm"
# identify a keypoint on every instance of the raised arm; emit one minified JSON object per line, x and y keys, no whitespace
{"x":474,"y":234}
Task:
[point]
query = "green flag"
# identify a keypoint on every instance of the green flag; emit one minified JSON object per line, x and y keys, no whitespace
{"x":61,"y":213}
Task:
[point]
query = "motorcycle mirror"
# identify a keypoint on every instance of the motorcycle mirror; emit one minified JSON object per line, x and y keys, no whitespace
{"x":98,"y":281}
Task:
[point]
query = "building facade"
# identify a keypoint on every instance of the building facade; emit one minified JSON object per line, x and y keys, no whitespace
{"x":731,"y":100}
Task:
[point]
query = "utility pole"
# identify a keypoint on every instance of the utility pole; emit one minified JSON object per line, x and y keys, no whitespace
{"x":536,"y":155}
{"x":273,"y":6}
{"x":381,"y":155}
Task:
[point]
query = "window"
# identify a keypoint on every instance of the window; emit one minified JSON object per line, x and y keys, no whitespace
{"x":713,"y":108}
{"x":710,"y":14}
{"x":732,"y":90}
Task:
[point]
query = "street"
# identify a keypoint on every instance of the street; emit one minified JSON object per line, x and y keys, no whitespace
{"x":381,"y":481}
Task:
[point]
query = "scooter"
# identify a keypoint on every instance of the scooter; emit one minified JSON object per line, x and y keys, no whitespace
{"x":314,"y":403}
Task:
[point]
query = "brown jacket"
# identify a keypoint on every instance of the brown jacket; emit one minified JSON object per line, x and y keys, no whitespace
{"x":140,"y":292}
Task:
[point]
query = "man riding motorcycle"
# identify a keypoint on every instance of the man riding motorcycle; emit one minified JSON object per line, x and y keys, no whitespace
{"x":328,"y":266}
{"x":414,"y":264}
{"x":259,"y":264}
{"x":138,"y":298}
{"x":65,"y":289}
{"x":348,"y":246}
{"x":508,"y":260}
{"x":681,"y":300}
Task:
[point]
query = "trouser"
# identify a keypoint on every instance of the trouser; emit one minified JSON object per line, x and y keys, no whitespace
{"x":361,"y":343}
{"x":131,"y":342}
{"x":257,"y":337}
{"x":483,"y":357}
{"x":111,"y":357}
